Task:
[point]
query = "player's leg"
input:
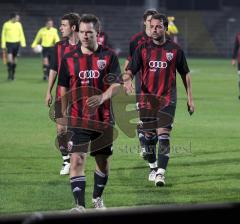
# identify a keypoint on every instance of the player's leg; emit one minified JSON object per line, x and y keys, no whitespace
{"x":163,"y":155}
{"x":140,"y":133}
{"x":62,"y":136}
{"x":45,"y":62}
{"x":78,"y":145}
{"x":164,"y":142}
{"x":150,"y":142}
{"x":9,"y":60}
{"x":62,"y":144}
{"x":100,"y":179}
{"x":14,"y":63}
{"x":141,"y":137}
{"x":101,"y":149}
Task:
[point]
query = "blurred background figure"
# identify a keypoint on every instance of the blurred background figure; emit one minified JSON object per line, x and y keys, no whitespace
{"x":236,"y":55}
{"x":47,"y":37}
{"x":103,"y":39}
{"x":12,"y":38}
{"x":172,"y":29}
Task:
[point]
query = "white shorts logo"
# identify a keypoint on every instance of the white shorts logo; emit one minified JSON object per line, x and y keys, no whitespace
{"x":89,"y":74}
{"x":70,"y":145}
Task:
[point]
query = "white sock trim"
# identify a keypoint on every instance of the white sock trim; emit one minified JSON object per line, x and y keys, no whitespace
{"x":66,"y":157}
{"x":153,"y":165}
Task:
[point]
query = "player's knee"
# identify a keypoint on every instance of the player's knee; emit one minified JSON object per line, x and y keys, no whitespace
{"x":151,"y":138}
{"x":164,"y":144}
{"x":77,"y":161}
{"x":61,"y":129}
{"x":62,"y":140}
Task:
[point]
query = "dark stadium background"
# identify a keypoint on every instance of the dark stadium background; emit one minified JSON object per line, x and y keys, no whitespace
{"x":207,"y":27}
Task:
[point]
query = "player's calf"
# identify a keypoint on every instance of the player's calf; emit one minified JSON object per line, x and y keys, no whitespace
{"x":163,"y":158}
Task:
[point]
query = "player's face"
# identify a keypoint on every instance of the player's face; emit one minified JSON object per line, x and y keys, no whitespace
{"x":147,"y":22}
{"x":16,"y":18}
{"x":65,"y":28}
{"x":87,"y":35}
{"x":157,"y":29}
{"x":49,"y":24}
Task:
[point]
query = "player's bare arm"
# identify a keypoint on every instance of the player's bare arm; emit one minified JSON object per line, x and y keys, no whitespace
{"x":64,"y":100}
{"x":51,"y":82}
{"x":126,"y":64}
{"x":188,"y":87}
{"x":97,"y":100}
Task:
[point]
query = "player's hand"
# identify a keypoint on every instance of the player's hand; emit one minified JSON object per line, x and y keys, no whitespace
{"x":48,"y":99}
{"x":233,"y":62}
{"x":127,"y":84}
{"x":190,"y":106}
{"x":94,"y":101}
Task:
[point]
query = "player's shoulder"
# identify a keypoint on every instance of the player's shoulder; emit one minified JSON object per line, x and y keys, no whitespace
{"x":62,"y":42}
{"x":170,"y":44}
{"x":144,"y":44}
{"x":137,"y":36}
{"x":71,"y":54}
{"x":7,"y":23}
{"x":107,"y":50}
{"x":54,"y":29}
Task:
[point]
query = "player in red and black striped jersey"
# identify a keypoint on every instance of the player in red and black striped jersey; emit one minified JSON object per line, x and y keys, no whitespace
{"x":69,"y":29}
{"x":86,"y":93}
{"x":142,"y":36}
{"x":236,"y":55}
{"x":135,"y":41}
{"x":158,"y":60}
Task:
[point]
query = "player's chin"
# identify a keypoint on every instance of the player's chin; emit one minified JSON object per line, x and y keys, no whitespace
{"x":85,"y":44}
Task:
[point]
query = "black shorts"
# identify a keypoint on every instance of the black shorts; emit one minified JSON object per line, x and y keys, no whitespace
{"x":81,"y":139}
{"x":238,"y":66}
{"x":47,"y":52}
{"x":151,"y":120}
{"x":12,"y":48}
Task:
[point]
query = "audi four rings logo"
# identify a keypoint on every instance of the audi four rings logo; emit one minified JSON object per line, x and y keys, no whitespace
{"x":89,"y":74}
{"x":157,"y":64}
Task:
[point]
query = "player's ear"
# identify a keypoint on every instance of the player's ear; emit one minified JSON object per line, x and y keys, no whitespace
{"x":98,"y":32}
{"x":74,"y":27}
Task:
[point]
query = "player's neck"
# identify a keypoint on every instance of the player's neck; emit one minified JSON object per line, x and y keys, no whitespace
{"x":73,"y":39}
{"x":160,"y":41}
{"x":148,"y":32}
{"x":90,"y":49}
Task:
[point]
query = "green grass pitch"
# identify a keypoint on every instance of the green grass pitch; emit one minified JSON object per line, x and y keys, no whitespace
{"x":205,"y":159}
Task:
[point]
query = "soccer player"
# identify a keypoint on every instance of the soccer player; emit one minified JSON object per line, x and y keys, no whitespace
{"x":47,"y":36}
{"x":158,"y":60}
{"x":135,"y":41}
{"x":69,"y":29}
{"x":12,"y":38}
{"x":83,"y":74}
{"x":236,"y":54}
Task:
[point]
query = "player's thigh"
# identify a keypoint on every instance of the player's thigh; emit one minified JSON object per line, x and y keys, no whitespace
{"x":101,"y":143}
{"x":166,"y":117}
{"x":79,"y":140}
